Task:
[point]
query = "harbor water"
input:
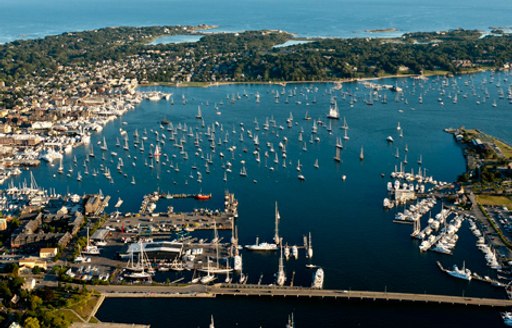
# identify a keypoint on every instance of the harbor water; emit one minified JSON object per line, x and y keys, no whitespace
{"x":354,"y":239}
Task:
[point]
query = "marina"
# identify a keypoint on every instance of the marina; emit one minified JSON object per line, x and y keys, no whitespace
{"x":181,"y":209}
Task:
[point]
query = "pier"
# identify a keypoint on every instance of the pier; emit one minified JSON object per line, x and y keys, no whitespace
{"x":152,"y":291}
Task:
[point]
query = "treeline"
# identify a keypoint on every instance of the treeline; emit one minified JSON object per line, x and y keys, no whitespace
{"x":251,"y":56}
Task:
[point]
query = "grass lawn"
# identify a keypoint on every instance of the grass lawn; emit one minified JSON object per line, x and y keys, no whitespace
{"x":85,"y":307}
{"x":490,"y":200}
{"x":505,"y":149}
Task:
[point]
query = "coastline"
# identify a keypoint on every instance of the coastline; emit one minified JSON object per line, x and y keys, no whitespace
{"x":284,"y":83}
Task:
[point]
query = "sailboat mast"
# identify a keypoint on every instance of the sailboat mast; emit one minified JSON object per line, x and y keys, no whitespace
{"x":277,"y":218}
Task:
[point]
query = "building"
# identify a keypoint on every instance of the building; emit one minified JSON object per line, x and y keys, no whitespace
{"x":3,"y":224}
{"x":29,"y":284}
{"x":32,"y":262}
{"x":48,"y":252}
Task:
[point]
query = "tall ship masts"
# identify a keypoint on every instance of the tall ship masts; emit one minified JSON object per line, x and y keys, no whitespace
{"x":277,"y":240}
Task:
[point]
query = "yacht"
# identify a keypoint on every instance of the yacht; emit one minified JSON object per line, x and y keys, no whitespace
{"x":334,"y":113}
{"x":51,"y":155}
{"x":318,"y":279}
{"x":262,"y":247}
{"x":462,"y":273}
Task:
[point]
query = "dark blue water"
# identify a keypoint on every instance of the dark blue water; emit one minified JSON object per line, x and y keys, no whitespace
{"x":345,"y":18}
{"x":354,"y":239}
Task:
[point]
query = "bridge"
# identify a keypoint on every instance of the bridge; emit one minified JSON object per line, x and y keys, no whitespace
{"x":159,"y":291}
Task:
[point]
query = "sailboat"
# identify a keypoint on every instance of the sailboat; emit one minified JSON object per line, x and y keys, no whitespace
{"x":208,"y":277}
{"x":61,"y":167}
{"x":337,"y":156}
{"x":277,"y":239}
{"x":316,"y":164}
{"x":281,"y":275}
{"x":345,"y":125}
{"x":361,"y":154}
{"x":104,"y":145}
{"x":137,"y":270}
{"x":310,"y":247}
{"x":90,"y":249}
{"x":199,"y":115}
{"x":291,"y":322}
{"x":91,"y":152}
{"x":243,"y":172}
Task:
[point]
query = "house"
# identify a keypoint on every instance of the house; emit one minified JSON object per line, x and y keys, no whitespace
{"x":48,"y":252}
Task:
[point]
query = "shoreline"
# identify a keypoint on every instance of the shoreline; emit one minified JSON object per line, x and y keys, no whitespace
{"x":284,"y":83}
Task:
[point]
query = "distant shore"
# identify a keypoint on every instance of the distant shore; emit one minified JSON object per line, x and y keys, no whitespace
{"x":284,"y":83}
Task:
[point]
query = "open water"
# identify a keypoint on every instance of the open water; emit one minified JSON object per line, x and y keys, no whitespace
{"x":335,"y":18}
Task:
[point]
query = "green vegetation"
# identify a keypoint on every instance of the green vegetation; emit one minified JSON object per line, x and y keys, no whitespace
{"x":245,"y":57}
{"x":43,"y":307}
{"x":491,"y":200}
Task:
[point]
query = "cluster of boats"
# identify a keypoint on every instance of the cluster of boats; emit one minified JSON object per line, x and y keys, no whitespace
{"x":415,"y":211}
{"x":489,"y":253}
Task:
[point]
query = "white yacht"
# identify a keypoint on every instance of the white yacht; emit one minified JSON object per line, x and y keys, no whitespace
{"x":318,"y":279}
{"x":262,"y":247}
{"x":334,"y":113}
{"x":462,"y":273}
{"x":51,"y":155}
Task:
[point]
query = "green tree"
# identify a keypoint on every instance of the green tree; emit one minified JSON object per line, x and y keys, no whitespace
{"x":31,"y":322}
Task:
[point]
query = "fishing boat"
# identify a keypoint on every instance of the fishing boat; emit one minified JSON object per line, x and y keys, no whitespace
{"x":203,"y":196}
{"x":318,"y":279}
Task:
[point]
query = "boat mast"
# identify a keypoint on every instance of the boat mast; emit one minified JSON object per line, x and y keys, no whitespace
{"x":277,"y":240}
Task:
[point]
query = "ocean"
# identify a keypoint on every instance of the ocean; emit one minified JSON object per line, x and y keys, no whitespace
{"x":325,"y":18}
